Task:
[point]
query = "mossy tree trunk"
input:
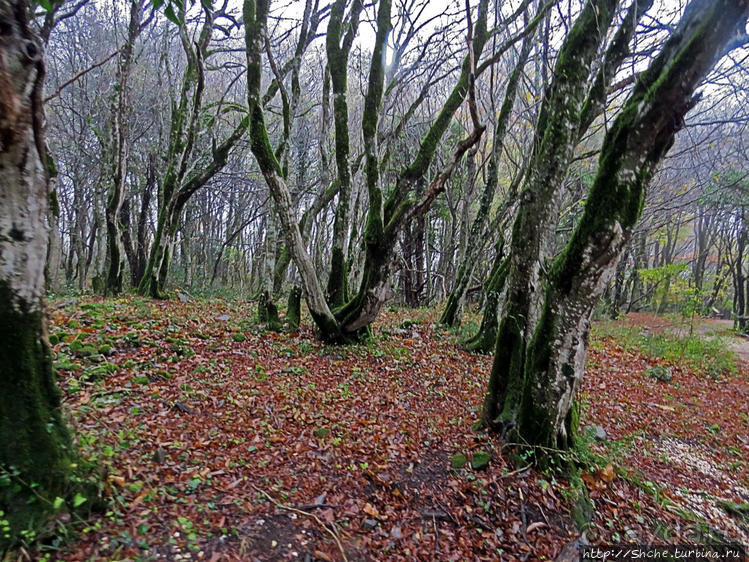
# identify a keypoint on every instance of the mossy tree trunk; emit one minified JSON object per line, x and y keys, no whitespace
{"x":267,"y":309}
{"x":135,"y":249}
{"x":568,"y":108}
{"x":486,"y":336}
{"x":255,"y":14}
{"x":35,"y":447}
{"x":339,"y":39}
{"x":375,"y":273}
{"x":637,"y":141}
{"x":177,"y":185}
{"x":119,"y":150}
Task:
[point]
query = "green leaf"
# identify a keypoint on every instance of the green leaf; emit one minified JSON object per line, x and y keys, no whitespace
{"x":169,"y":13}
{"x":46,"y":5}
{"x":78,"y":500}
{"x":58,"y":503}
{"x":157,"y":4}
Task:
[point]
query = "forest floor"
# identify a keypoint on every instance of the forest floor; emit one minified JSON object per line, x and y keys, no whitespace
{"x":221,"y":441}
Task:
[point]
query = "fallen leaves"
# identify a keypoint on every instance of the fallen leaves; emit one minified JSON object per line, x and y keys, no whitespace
{"x":344,"y":434}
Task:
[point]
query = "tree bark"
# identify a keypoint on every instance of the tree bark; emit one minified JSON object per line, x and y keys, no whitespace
{"x":637,"y":141}
{"x":35,"y":446}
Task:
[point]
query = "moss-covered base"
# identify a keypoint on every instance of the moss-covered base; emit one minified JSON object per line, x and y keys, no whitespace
{"x":36,"y":451}
{"x":450,"y":316}
{"x":337,"y":293}
{"x":294,"y":308}
{"x":267,"y":312}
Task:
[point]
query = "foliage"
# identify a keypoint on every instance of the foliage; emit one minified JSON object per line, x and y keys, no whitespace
{"x":705,"y":355}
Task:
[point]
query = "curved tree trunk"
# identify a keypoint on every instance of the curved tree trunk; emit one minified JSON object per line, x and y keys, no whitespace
{"x":637,"y":141}
{"x":35,"y":447}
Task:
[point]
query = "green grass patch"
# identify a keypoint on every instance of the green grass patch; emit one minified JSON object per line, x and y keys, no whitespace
{"x":709,"y":356}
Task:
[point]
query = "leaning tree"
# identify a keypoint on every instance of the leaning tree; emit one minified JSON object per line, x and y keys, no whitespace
{"x":540,"y":353}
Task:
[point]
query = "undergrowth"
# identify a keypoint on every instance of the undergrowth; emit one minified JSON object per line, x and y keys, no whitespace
{"x":707,"y":355}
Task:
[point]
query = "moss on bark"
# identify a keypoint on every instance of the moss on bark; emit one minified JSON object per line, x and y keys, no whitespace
{"x":35,"y":446}
{"x":485,"y":339}
{"x":294,"y":308}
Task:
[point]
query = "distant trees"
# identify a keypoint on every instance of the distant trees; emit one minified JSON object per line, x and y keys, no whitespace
{"x":186,"y":168}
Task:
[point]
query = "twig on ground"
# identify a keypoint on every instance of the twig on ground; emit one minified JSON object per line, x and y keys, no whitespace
{"x":436,"y":537}
{"x":332,"y":533}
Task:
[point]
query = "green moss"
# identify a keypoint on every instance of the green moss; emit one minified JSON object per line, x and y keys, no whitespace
{"x":35,"y":446}
{"x":458,"y":461}
{"x":582,"y":511}
{"x":337,"y":291}
{"x":480,"y":460}
{"x":294,"y":308}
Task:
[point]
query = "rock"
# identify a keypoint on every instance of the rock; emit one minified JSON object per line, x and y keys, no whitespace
{"x":458,"y":461}
{"x":223,"y":318}
{"x":159,"y":455}
{"x":598,"y":433}
{"x":396,"y":532}
{"x":370,"y":524}
{"x":480,"y":460}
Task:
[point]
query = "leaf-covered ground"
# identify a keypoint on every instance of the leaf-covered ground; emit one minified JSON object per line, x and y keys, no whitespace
{"x":222,"y":441}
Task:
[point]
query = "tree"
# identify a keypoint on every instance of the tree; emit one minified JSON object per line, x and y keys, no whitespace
{"x":118,"y":155}
{"x":183,"y":176}
{"x":35,"y":446}
{"x":390,"y":208}
{"x":533,"y":385}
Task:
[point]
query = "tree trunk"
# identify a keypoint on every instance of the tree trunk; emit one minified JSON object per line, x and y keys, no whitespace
{"x":484,"y":340}
{"x":266,"y":307}
{"x":255,"y":15}
{"x":637,"y":141}
{"x":35,"y":447}
{"x":120,"y":151}
{"x":557,"y":133}
{"x":338,"y":47}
